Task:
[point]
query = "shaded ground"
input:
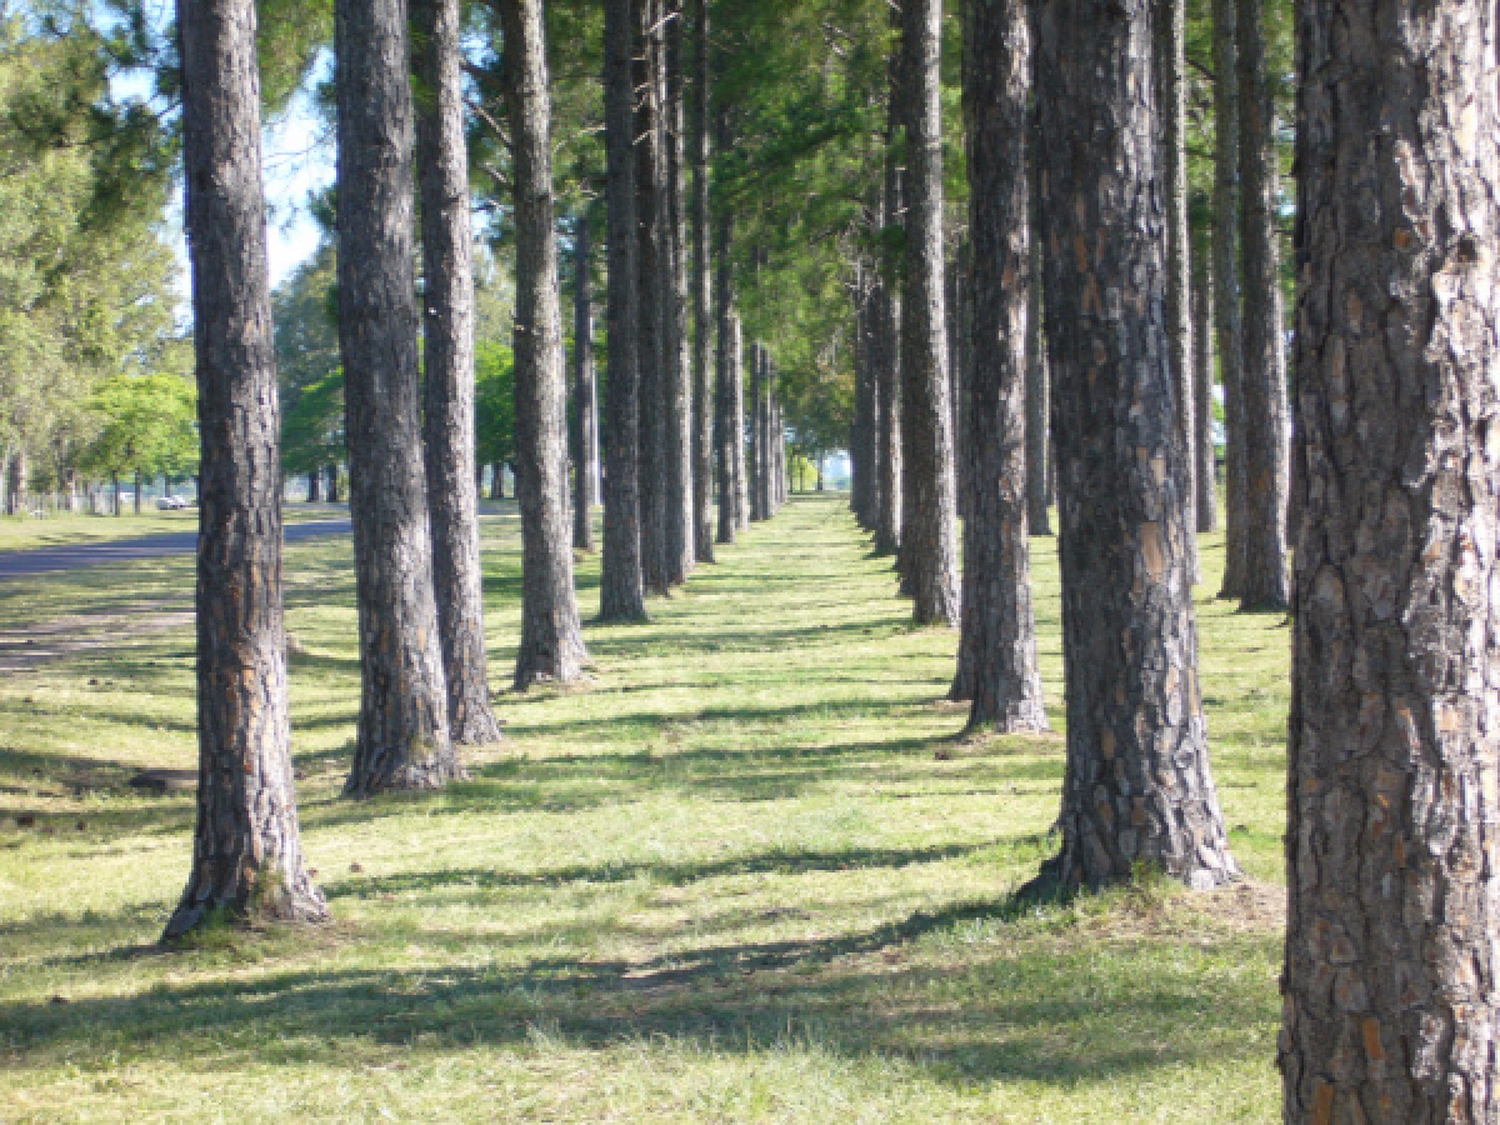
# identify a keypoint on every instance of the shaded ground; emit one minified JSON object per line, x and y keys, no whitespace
{"x":752,"y":873}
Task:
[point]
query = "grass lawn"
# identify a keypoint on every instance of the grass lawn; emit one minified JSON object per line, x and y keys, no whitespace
{"x":749,"y":874}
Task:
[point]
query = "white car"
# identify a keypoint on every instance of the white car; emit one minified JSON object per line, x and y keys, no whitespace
{"x":171,"y":503}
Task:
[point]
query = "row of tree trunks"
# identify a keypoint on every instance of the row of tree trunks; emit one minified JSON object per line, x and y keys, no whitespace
{"x":403,"y":739}
{"x":886,"y":342}
{"x":729,"y":377}
{"x":1205,"y":476}
{"x":676,"y":344}
{"x":997,"y":662}
{"x":585,"y":434}
{"x":622,"y":590}
{"x":1263,"y":392}
{"x":448,"y":331}
{"x":247,"y":853}
{"x":552,"y":648}
{"x":702,"y":468}
{"x":929,"y":536}
{"x":653,"y":268}
{"x":1039,"y":466}
{"x":1228,"y":323}
{"x":1390,"y":983}
{"x":1171,"y":72}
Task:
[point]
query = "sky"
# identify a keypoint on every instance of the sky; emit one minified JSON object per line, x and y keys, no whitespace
{"x":299,"y":161}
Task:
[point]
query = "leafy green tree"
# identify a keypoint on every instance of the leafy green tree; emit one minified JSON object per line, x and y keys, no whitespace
{"x":147,"y":425}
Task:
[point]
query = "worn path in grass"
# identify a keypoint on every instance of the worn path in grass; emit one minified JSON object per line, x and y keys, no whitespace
{"x":76,"y":556}
{"x":733,"y":879}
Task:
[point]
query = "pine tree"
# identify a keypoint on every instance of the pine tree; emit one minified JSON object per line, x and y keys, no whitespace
{"x":997,"y":662}
{"x":930,"y":524}
{"x":1390,"y":1008}
{"x":403,"y":740}
{"x":247,"y":852}
{"x":1137,"y":788}
{"x":622,"y":591}
{"x":448,"y":329}
{"x":551,"y":649}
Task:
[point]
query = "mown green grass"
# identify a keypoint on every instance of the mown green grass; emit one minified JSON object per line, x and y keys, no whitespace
{"x":750,"y":873}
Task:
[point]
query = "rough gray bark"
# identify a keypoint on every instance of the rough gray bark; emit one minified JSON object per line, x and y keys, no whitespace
{"x":755,"y":451}
{"x":247,"y":852}
{"x":448,"y":329}
{"x":622,"y":591}
{"x":729,"y":426}
{"x":997,"y":661}
{"x":1171,"y":67}
{"x":1228,"y":323}
{"x":653,"y":273}
{"x":930,"y":505}
{"x":552,"y":649}
{"x":1137,"y":788}
{"x":703,"y":316}
{"x":1205,"y":478}
{"x":1263,"y":383}
{"x":887,"y":331}
{"x":677,"y":373}
{"x":865,"y":436}
{"x":1390,"y":997}
{"x":403,"y":740}
{"x":585,"y":437}
{"x":1038,"y":459}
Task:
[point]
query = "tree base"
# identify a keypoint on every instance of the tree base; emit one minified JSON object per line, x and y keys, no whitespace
{"x":481,"y":729}
{"x":303,"y":905}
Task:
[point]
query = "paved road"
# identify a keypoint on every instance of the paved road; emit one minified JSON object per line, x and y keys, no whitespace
{"x":48,"y":560}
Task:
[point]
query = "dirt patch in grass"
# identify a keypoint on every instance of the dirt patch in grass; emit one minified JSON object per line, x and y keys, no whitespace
{"x":22,"y":650}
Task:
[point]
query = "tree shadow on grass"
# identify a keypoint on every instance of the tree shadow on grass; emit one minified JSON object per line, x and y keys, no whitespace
{"x":1048,"y":1013}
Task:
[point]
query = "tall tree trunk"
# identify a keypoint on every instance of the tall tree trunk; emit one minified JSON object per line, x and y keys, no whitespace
{"x":930,"y":538}
{"x":729,"y":424}
{"x":1171,"y":69}
{"x":1228,"y":321}
{"x":403,"y":740}
{"x":956,"y":306}
{"x":729,"y":374}
{"x":448,"y":330}
{"x":622,"y":592}
{"x":1206,"y":476}
{"x":552,"y":649}
{"x":1137,"y":788}
{"x":315,"y":486}
{"x":1263,"y":387}
{"x":585,"y":390}
{"x":138,"y":492}
{"x":703,"y":317}
{"x":333,"y":484}
{"x":755,"y":455}
{"x":997,"y":661}
{"x":1390,"y":1010}
{"x":864,"y":446}
{"x":16,"y":486}
{"x":678,"y":370}
{"x":888,"y":335}
{"x":247,"y":851}
{"x":1039,"y":466}
{"x":654,"y":271}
